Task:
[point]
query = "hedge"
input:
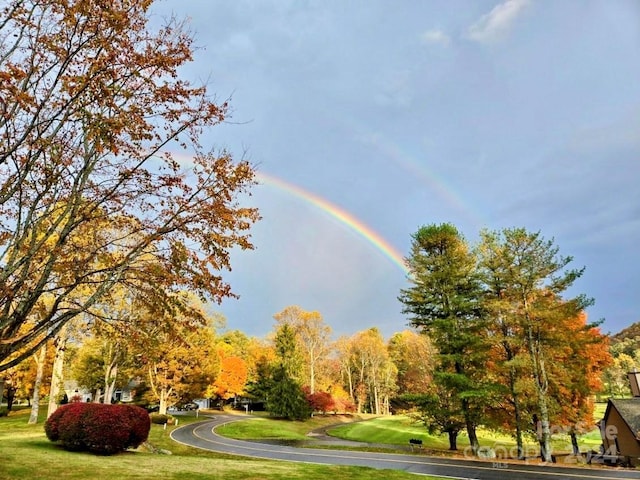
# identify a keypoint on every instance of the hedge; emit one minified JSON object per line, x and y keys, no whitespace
{"x":98,"y":428}
{"x":160,"y":419}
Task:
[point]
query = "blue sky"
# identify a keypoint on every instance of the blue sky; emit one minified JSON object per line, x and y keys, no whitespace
{"x":485,"y":114}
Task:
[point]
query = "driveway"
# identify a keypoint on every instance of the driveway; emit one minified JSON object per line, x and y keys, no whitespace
{"x":202,"y":435}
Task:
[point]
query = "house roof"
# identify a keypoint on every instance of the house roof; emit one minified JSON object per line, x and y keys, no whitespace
{"x":629,"y":410}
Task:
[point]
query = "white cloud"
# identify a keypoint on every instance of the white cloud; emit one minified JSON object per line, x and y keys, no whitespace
{"x":435,"y":37}
{"x":493,"y":26}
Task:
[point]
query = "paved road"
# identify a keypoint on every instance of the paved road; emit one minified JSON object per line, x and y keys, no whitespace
{"x":202,"y":435}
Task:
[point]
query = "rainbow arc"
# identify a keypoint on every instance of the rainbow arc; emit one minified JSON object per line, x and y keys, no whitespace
{"x":339,"y":214}
{"x":334,"y":211}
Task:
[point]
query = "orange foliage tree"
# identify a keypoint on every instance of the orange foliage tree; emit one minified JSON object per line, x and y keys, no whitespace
{"x":539,"y":337}
{"x":577,"y":373}
{"x":231,"y":379}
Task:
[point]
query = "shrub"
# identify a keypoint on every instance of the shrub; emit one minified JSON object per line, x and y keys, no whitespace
{"x":4,"y":411}
{"x":320,"y":401}
{"x":98,"y":428}
{"x":160,"y":418}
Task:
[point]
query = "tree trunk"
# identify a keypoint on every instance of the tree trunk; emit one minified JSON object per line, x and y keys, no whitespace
{"x":57,"y":375}
{"x":110,"y":376}
{"x":574,"y":442}
{"x":453,"y":440}
{"x":471,"y":427}
{"x":10,"y":393}
{"x":544,"y":429}
{"x":517,"y":414}
{"x":519,"y":442}
{"x":376,"y":400}
{"x":164,"y":401}
{"x":35,"y":405}
{"x":312,"y":375}
{"x":542,"y":385}
{"x":473,"y":437}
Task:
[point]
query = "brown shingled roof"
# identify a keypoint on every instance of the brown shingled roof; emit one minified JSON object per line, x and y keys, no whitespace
{"x":629,"y":409}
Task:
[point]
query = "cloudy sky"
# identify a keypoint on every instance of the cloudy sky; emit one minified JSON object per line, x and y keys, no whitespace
{"x":369,"y":119}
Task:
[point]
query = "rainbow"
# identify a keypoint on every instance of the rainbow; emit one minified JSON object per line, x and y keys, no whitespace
{"x":329,"y":208}
{"x":339,"y":214}
{"x":406,"y":160}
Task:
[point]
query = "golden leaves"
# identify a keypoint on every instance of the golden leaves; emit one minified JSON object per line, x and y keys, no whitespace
{"x":90,"y":98}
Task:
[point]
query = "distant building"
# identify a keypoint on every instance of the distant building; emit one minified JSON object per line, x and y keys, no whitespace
{"x":73,"y":391}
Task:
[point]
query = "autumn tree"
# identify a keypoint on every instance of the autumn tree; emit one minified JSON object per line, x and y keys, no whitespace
{"x":414,"y":356}
{"x":532,"y":276}
{"x":625,"y":352}
{"x":377,"y":372}
{"x":312,"y":335}
{"x":579,"y":364}
{"x":368,"y":373}
{"x":231,"y":379}
{"x":508,"y":355}
{"x":106,"y":359}
{"x":102,"y":364}
{"x":344,"y":361}
{"x":614,"y":377}
{"x":177,"y":352}
{"x":445,"y":302}
{"x":91,"y":100}
{"x":11,"y":385}
{"x":234,"y":343}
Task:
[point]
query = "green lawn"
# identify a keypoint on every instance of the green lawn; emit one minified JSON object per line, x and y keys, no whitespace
{"x":397,"y":430}
{"x":269,"y":428}
{"x":27,"y":454}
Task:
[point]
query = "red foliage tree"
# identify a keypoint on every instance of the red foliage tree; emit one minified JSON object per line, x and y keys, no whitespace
{"x":320,"y":401}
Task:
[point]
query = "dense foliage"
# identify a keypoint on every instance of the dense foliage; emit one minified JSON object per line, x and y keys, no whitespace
{"x":98,"y":428}
{"x":513,"y":351}
{"x":90,"y":195}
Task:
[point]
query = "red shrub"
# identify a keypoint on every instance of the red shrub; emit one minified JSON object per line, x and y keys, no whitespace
{"x":320,"y":401}
{"x":98,"y":428}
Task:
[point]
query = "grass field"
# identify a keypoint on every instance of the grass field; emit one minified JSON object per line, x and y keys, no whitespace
{"x":397,"y":430}
{"x":27,"y":454}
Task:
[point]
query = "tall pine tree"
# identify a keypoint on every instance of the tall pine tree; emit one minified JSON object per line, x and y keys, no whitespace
{"x":286,"y":398}
{"x":445,"y":302}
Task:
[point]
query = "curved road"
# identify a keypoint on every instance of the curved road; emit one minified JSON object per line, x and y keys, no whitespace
{"x":202,"y":435}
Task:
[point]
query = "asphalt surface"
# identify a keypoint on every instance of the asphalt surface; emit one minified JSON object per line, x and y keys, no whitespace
{"x":202,"y":435}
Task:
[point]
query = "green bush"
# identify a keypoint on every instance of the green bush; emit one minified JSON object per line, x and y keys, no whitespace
{"x":4,"y":411}
{"x":98,"y":428}
{"x":160,"y":418}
